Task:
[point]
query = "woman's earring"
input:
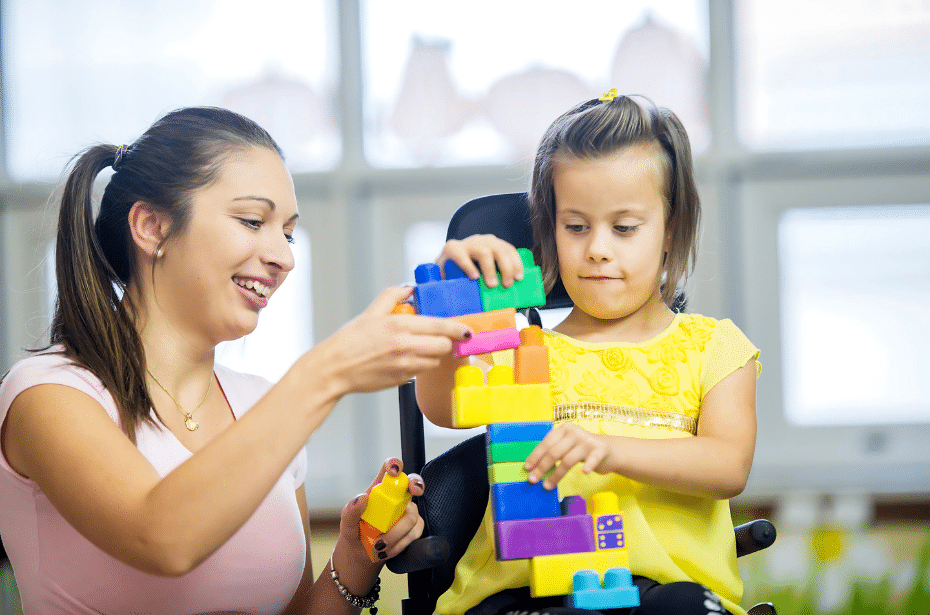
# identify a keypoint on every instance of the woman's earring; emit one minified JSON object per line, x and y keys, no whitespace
{"x":158,"y":252}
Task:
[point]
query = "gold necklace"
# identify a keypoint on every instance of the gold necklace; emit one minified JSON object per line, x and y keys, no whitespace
{"x":189,"y":421}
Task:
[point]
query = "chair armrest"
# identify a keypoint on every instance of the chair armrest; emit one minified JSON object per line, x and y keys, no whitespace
{"x":421,"y":554}
{"x":754,"y":536}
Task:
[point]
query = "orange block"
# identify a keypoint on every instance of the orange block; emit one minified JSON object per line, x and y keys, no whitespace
{"x":531,"y":358}
{"x":370,"y":536}
{"x":482,"y":322}
{"x":403,"y":308}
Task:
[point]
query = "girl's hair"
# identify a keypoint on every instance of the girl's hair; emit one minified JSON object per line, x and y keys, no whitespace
{"x":179,"y":154}
{"x":596,"y":128}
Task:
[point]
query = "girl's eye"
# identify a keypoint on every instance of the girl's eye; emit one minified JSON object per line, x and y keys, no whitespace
{"x":574,"y":228}
{"x":252,"y":224}
{"x":290,"y":238}
{"x":625,"y":230}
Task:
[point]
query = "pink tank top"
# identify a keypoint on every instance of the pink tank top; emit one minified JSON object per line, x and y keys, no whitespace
{"x":58,"y":571}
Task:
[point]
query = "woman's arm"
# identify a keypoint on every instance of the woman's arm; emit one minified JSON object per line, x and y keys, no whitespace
{"x":715,"y":463}
{"x":103,"y":486}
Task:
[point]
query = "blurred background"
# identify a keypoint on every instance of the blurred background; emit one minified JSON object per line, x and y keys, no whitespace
{"x":810,"y":125}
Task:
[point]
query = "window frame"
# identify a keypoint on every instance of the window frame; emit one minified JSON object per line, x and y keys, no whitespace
{"x":739,"y":189}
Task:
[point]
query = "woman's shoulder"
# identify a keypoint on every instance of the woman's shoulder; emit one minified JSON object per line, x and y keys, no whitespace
{"x":51,"y":366}
{"x":242,"y":389}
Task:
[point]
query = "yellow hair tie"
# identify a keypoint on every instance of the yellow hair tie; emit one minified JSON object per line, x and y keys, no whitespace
{"x":609,"y":96}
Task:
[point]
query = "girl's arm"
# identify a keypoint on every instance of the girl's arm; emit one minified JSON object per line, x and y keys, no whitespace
{"x":434,"y":386}
{"x":356,"y":572}
{"x":105,"y":488}
{"x":715,"y":463}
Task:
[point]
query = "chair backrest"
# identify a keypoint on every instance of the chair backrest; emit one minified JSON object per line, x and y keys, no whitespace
{"x":506,"y":216}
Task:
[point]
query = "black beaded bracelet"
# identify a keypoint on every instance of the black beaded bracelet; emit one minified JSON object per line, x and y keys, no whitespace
{"x":359,"y":602}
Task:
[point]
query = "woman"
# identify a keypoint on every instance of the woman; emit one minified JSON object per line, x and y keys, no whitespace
{"x":139,"y":477}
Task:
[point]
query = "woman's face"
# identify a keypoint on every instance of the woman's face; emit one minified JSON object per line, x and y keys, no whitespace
{"x":218,"y":275}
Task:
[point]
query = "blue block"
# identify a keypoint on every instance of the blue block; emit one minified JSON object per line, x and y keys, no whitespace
{"x":512,"y":501}
{"x":609,"y":540}
{"x":533,"y":431}
{"x":456,"y":295}
{"x":618,"y":591}
{"x":609,"y":523}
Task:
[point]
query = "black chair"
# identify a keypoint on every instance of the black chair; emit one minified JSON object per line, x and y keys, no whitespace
{"x":457,"y":487}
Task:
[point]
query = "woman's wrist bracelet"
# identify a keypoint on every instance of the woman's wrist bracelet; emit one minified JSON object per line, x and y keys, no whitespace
{"x":359,"y":602}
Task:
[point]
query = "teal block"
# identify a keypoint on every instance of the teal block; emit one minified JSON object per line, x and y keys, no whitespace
{"x":528,"y":292}
{"x":502,"y":452}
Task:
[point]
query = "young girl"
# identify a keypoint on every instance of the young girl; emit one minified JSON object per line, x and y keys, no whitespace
{"x":656,"y":406}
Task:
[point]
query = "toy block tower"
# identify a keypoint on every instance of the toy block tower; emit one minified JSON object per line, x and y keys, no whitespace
{"x":568,"y":546}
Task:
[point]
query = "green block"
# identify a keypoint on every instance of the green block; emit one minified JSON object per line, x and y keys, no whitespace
{"x":502,"y":452}
{"x":510,"y":472}
{"x":528,"y":292}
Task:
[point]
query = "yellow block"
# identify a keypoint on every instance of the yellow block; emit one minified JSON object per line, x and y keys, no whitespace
{"x":553,"y":575}
{"x":500,"y":401}
{"x":387,"y":502}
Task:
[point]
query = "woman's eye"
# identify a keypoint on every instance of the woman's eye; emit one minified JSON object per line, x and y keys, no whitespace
{"x":252,"y":224}
{"x":625,"y":229}
{"x":290,"y":238}
{"x":574,"y":228}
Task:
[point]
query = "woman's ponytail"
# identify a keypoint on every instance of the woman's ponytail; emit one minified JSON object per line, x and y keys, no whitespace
{"x":91,"y":320}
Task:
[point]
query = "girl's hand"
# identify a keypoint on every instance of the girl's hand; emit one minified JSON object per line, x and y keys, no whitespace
{"x":378,"y":350}
{"x":407,"y":529}
{"x":567,"y":445}
{"x":492,"y":254}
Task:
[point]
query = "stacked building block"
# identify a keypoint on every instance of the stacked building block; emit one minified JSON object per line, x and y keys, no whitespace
{"x":569,"y":546}
{"x":386,"y":504}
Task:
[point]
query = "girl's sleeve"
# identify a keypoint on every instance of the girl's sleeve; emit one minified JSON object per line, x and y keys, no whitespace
{"x":727,"y":350}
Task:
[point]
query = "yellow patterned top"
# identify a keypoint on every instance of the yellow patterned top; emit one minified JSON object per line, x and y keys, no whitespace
{"x":651,"y":389}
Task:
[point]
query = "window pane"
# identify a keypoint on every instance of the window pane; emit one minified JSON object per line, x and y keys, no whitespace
{"x":855,"y":306}
{"x":473,"y":89}
{"x":285,"y":326}
{"x":77,"y":72}
{"x":824,"y":74}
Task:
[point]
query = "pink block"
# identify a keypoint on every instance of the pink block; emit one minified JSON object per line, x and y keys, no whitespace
{"x":489,"y":341}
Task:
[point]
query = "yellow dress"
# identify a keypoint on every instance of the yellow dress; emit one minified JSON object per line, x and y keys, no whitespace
{"x":646,"y":390}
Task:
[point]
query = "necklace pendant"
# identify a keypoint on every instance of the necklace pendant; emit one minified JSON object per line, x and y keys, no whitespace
{"x":190,"y":423}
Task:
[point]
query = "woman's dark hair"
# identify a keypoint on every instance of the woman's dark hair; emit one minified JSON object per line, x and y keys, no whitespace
{"x":596,"y":128}
{"x":179,"y":154}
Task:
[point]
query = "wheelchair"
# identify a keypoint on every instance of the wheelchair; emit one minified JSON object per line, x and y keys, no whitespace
{"x":457,"y":480}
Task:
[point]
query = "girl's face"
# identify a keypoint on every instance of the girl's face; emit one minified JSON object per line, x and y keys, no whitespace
{"x":610,"y":232}
{"x":236,"y":251}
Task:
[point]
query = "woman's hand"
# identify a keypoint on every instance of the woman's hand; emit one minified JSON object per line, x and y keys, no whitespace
{"x":567,"y":445}
{"x":407,"y":529}
{"x":492,"y":254}
{"x":378,"y":350}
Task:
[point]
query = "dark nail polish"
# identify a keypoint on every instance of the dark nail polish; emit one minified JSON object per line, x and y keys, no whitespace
{"x":395,"y":467}
{"x":418,"y":483}
{"x":382,"y":555}
{"x":467,"y":335}
{"x":379,"y":546}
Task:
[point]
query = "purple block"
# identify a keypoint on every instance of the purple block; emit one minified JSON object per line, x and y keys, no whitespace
{"x":573,"y":505}
{"x":523,"y":500}
{"x":531,"y":537}
{"x":488,"y":341}
{"x":609,"y":540}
